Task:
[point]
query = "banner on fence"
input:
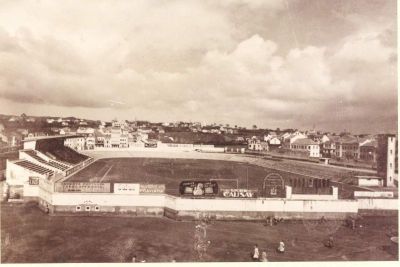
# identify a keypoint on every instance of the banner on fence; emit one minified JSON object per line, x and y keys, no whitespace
{"x":152,"y":188}
{"x":126,"y":189}
{"x":198,"y":188}
{"x":274,"y":186}
{"x":83,"y":187}
{"x":239,"y":193}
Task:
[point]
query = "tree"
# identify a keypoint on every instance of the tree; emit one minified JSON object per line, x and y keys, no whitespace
{"x":254,"y":126}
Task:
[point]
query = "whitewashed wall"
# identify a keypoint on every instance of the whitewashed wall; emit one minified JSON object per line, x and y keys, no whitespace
{"x":108,"y":199}
{"x":183,"y":204}
{"x":378,"y":204}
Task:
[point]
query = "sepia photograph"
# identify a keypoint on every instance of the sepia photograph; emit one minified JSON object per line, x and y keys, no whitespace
{"x":199,"y":131}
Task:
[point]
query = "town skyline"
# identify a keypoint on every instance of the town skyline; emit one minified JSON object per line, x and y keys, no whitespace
{"x":276,"y":64}
{"x":314,"y":128}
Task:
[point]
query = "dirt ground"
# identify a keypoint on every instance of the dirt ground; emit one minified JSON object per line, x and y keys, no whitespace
{"x":172,"y":171}
{"x":29,"y":235}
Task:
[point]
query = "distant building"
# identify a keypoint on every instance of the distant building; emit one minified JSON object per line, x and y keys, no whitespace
{"x":274,"y":141}
{"x":347,"y":147}
{"x":120,"y":124}
{"x":77,"y":143}
{"x":306,"y":145}
{"x":368,"y":151}
{"x":386,"y":158}
{"x":328,"y":146}
{"x":255,"y":144}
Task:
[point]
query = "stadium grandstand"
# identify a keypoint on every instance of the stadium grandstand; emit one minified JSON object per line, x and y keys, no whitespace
{"x":34,"y":167}
{"x":45,"y":157}
{"x":55,"y":149}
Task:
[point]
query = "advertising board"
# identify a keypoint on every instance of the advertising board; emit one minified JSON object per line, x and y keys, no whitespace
{"x":369,"y":194}
{"x":126,"y":189}
{"x":198,"y":188}
{"x":239,"y":193}
{"x":152,"y":189}
{"x":33,"y":180}
{"x":83,"y":187}
{"x":274,"y":186}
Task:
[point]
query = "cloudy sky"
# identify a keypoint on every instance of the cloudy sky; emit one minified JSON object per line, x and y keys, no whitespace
{"x":275,"y":63}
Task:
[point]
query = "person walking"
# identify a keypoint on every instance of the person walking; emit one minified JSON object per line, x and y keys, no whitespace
{"x":281,"y":247}
{"x":256,"y":253}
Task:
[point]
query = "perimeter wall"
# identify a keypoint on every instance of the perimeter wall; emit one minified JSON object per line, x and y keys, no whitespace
{"x":186,"y":208}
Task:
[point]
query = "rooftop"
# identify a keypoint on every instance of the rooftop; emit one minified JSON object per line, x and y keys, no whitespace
{"x":304,"y":141}
{"x":36,"y":138}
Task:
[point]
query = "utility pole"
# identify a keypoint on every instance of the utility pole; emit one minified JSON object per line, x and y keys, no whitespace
{"x":247,"y":176}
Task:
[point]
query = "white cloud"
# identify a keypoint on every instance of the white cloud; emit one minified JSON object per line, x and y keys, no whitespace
{"x":170,"y":60}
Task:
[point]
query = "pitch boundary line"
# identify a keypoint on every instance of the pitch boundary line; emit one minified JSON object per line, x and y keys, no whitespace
{"x":106,"y":173}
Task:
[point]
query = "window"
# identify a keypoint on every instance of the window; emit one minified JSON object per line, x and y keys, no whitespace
{"x":78,"y":208}
{"x":87,"y":208}
{"x":390,"y":165}
{"x":391,"y":152}
{"x":97,"y":208}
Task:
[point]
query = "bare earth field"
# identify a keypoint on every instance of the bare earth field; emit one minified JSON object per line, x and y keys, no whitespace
{"x":172,"y":171}
{"x":28,"y":235}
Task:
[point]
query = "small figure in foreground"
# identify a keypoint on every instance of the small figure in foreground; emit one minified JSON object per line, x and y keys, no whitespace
{"x":329,"y":243}
{"x":264,"y":256}
{"x":256,"y":253}
{"x":281,"y":247}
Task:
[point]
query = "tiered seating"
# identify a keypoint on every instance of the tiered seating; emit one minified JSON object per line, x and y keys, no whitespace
{"x":56,"y":148}
{"x":34,"y":167}
{"x":58,"y":165}
{"x":34,"y":155}
{"x":69,"y":155}
{"x":51,"y":163}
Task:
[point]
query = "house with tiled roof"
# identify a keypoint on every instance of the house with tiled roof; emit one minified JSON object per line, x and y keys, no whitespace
{"x":368,"y":150}
{"x":347,"y":147}
{"x":292,"y":138}
{"x":306,"y":145}
{"x":328,"y":145}
{"x":256,"y":144}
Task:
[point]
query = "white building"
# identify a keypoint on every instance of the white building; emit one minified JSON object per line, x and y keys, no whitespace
{"x":274,"y":141}
{"x":257,"y":145}
{"x":120,"y":124}
{"x":77,"y":143}
{"x":85,"y":130}
{"x":306,"y":145}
